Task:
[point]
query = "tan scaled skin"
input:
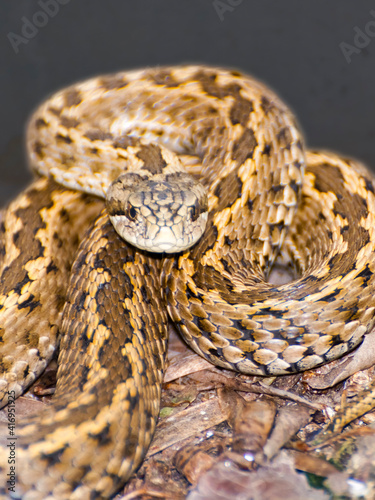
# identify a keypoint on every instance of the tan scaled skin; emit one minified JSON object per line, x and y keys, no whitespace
{"x":242,"y":144}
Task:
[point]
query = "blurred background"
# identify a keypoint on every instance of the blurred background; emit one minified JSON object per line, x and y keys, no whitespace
{"x":319,"y":56}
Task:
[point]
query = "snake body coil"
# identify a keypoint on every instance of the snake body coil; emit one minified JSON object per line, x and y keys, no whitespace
{"x":66,"y":274}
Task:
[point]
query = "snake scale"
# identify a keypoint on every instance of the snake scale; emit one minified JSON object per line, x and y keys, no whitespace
{"x":68,"y":279}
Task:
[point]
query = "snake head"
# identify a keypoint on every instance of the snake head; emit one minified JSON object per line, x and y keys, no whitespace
{"x":162,"y":213}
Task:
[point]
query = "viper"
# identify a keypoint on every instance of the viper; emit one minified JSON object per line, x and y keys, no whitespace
{"x":168,"y":192}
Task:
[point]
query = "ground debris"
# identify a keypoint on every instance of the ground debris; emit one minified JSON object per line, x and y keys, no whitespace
{"x":225,"y":435}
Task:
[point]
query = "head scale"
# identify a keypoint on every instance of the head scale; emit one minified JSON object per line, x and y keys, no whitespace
{"x":164,"y":213}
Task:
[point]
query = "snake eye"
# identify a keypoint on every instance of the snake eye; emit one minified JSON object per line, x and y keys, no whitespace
{"x":131,"y":212}
{"x":194,"y":213}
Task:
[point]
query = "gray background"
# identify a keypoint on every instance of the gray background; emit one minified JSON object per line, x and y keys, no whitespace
{"x":293,"y":46}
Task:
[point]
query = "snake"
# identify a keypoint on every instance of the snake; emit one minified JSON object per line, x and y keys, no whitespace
{"x":167,"y":194}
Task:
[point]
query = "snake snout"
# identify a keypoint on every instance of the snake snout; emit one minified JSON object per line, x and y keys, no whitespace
{"x":170,"y":231}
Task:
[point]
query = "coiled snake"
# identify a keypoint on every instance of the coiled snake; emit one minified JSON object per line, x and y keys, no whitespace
{"x":66,"y":274}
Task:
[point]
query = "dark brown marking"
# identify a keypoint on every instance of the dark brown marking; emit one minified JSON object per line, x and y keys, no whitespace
{"x":244,"y":147}
{"x":16,"y":276}
{"x":211,"y":237}
{"x":15,"y":237}
{"x":113,"y":83}
{"x":63,"y":138}
{"x":363,"y":236}
{"x":366,"y":274}
{"x":123,"y":142}
{"x":228,"y":190}
{"x":285,"y":137}
{"x":267,"y":149}
{"x":54,"y":457}
{"x":212,"y":111}
{"x":277,"y":187}
{"x":55,"y":111}
{"x":233,"y":89}
{"x":207,"y":79}
{"x":57,"y":239}
{"x":327,"y":178}
{"x":335,"y":262}
{"x":361,"y":205}
{"x":208,"y":83}
{"x":40,"y":123}
{"x":225,"y":265}
{"x":66,"y":160}
{"x":150,"y":154}
{"x":115,"y":207}
{"x":98,"y":135}
{"x":64,"y":215}
{"x":30,"y":302}
{"x":72,"y":97}
{"x":163,"y":77}
{"x":295,"y":186}
{"x":240,"y":111}
{"x":337,"y":211}
{"x":369,"y":184}
{"x":266,"y":105}
{"x":33,"y":340}
{"x":38,"y":149}
{"x":69,"y":122}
